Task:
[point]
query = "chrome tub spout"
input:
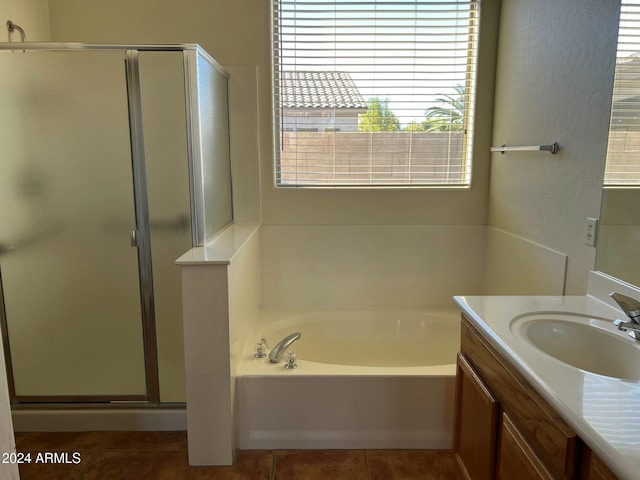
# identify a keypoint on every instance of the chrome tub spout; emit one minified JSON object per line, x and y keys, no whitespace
{"x":278,"y":350}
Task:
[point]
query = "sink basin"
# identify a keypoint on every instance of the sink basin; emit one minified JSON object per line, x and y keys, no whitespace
{"x":588,"y":343}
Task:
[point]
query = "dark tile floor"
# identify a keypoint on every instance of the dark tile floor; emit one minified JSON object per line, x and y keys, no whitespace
{"x":163,"y":455}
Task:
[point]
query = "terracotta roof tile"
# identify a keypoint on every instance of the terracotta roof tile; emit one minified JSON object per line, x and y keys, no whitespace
{"x":315,"y":89}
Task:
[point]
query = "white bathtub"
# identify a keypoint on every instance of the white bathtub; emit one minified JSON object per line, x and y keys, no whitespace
{"x":365,"y":379}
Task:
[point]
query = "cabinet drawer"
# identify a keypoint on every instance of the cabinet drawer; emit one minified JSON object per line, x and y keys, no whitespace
{"x":516,"y":458}
{"x":551,"y":438}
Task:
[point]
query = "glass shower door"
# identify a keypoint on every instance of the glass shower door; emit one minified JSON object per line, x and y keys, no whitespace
{"x":162,"y":85}
{"x":70,"y":279}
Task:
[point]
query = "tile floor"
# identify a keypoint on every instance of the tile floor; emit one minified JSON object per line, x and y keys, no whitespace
{"x":163,"y":455}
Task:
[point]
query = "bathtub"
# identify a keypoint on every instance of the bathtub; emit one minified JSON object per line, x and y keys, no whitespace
{"x":365,"y":379}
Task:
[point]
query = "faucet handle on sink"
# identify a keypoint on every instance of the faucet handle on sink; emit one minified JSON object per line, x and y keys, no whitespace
{"x":630,"y":306}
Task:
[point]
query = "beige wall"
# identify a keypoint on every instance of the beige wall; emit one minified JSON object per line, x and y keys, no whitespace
{"x":237,"y":32}
{"x":554,"y":80}
{"x":234,"y":32}
{"x":31,"y":15}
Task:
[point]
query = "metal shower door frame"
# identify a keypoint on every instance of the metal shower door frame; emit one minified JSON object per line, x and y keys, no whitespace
{"x":194,"y":148}
{"x":143,"y":232}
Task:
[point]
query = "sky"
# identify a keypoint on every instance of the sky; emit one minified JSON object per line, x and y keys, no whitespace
{"x":628,"y":35}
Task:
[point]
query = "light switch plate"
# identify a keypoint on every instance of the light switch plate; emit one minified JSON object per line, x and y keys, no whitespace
{"x":591,"y":231}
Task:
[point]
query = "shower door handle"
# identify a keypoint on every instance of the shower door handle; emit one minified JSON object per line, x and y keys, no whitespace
{"x":133,"y":238}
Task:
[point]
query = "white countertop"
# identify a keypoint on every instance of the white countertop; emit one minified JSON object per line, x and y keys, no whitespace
{"x":604,"y":411}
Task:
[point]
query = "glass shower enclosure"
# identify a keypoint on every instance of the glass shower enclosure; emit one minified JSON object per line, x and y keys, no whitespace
{"x":115,"y":161}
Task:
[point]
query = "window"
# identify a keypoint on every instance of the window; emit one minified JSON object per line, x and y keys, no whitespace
{"x":623,"y":150}
{"x":374,"y":93}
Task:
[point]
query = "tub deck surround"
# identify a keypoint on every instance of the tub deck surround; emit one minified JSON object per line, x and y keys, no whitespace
{"x":325,"y":404}
{"x":211,"y":313}
{"x":603,"y":410}
{"x":224,"y":284}
{"x":369,"y":266}
{"x":220,"y":249}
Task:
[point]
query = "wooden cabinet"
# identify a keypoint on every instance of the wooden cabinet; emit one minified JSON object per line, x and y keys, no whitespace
{"x":476,"y":427}
{"x":516,"y":457}
{"x":593,"y":468}
{"x":504,"y":429}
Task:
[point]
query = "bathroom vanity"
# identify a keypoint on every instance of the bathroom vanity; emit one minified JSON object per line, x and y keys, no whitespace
{"x":529,"y":414}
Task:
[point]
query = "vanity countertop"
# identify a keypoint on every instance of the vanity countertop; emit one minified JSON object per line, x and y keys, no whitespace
{"x":604,"y":411}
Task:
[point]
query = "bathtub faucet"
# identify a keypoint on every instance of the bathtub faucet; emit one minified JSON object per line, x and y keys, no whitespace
{"x":278,"y":350}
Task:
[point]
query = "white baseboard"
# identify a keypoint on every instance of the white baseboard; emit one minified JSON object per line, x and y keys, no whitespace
{"x":78,"y":420}
{"x":345,"y":439}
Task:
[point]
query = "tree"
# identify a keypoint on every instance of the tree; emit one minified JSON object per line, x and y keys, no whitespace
{"x":379,"y":118}
{"x":450,"y":116}
{"x":414,"y":126}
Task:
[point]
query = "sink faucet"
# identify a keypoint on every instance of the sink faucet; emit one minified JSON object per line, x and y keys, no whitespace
{"x":631,"y":308}
{"x":276,"y":353}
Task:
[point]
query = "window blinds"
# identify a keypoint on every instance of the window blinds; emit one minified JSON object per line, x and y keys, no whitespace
{"x":623,"y":150}
{"x":374,"y":93}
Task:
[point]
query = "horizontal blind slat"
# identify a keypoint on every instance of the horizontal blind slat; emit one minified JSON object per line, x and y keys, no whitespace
{"x":623,"y":159}
{"x":336,"y":57}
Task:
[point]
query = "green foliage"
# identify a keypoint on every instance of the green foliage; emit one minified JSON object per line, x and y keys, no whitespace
{"x":379,"y":118}
{"x":414,"y":126}
{"x":450,"y":116}
{"x":447,"y":117}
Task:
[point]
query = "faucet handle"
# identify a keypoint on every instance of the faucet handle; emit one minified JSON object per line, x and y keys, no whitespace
{"x":620,"y":324}
{"x":291,"y":360}
{"x":630,"y":306}
{"x":261,"y":349}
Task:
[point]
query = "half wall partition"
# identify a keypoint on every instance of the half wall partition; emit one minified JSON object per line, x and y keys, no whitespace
{"x":114,"y":162}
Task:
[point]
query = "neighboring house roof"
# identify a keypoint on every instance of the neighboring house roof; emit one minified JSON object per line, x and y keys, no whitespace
{"x":625,"y":114}
{"x":625,"y":110}
{"x":627,"y":77}
{"x":311,"y":89}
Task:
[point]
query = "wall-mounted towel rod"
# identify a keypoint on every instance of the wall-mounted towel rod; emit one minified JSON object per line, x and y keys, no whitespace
{"x":553,"y":149}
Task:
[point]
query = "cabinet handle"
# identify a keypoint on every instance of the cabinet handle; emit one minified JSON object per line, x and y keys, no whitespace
{"x":133,"y":238}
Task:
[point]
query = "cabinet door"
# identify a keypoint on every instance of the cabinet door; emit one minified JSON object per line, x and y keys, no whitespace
{"x":475,"y":425}
{"x":593,"y":468}
{"x":516,"y":458}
